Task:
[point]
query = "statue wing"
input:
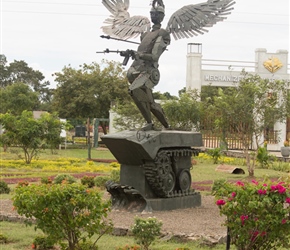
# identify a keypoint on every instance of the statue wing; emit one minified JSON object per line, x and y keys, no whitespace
{"x":120,"y":24}
{"x":191,"y":20}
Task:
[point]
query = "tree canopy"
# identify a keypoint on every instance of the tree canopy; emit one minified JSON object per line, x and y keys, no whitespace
{"x":18,"y":72}
{"x":250,"y":107}
{"x":89,"y":90}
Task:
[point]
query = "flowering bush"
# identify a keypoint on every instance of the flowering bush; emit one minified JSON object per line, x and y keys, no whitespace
{"x":68,"y":211}
{"x":257,"y":213}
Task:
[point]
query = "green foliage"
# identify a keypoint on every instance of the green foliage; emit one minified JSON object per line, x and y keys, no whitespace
{"x":46,"y":180}
{"x":3,"y":239}
{"x":64,"y":178}
{"x":264,"y":158}
{"x":184,"y":113}
{"x":88,"y":181}
{"x":257,"y":213}
{"x":100,"y":181}
{"x":42,"y":243}
{"x":68,"y":212}
{"x":146,"y":231}
{"x":4,"y":189}
{"x":128,"y":247}
{"x":89,"y":90}
{"x":18,"y":97}
{"x":215,"y":153}
{"x":115,"y":175}
{"x":30,"y":134}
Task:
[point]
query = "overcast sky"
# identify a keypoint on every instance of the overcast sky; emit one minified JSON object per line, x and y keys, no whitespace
{"x":51,"y":34}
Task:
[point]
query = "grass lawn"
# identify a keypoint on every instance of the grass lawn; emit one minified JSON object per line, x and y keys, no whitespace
{"x":20,"y":237}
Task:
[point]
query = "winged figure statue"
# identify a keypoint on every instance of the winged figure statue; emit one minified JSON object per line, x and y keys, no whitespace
{"x":188,"y":21}
{"x":143,"y":74}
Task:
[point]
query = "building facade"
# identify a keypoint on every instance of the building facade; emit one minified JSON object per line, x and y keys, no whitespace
{"x":224,"y":73}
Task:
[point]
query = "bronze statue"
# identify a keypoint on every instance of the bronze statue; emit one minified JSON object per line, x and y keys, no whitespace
{"x":143,"y":74}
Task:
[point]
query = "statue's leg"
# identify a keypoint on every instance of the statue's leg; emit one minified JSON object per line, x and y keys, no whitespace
{"x":140,"y":98}
{"x":156,"y":109}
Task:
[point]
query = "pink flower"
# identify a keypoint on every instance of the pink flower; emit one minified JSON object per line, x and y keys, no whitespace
{"x":262,"y":191}
{"x":287,"y":200}
{"x":239,"y":183}
{"x":283,"y":221}
{"x":263,"y":233}
{"x":255,"y":182}
{"x":273,"y":188}
{"x":220,"y":202}
{"x":243,"y":218}
{"x":234,"y":194}
{"x":281,"y":189}
{"x":265,"y":185}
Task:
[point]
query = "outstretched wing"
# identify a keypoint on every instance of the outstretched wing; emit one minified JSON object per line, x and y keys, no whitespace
{"x":190,"y":20}
{"x":120,"y":24}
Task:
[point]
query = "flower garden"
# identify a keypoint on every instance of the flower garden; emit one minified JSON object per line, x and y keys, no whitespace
{"x":257,"y":210}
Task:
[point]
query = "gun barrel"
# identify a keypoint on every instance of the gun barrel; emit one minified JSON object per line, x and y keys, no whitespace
{"x":118,"y":39}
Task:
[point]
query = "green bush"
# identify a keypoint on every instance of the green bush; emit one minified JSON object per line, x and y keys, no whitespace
{"x":42,"y":243}
{"x":3,"y":239}
{"x":64,"y":178}
{"x":264,"y":158}
{"x":69,"y":211}
{"x":215,"y":153}
{"x":88,"y":181}
{"x":100,"y":181}
{"x":145,"y":231}
{"x":115,"y":176}
{"x":257,"y":213}
{"x":46,"y":180}
{"x":4,"y":189}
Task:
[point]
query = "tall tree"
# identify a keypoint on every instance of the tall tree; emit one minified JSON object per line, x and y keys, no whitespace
{"x":18,"y":97}
{"x":30,"y":134}
{"x":89,"y":91}
{"x":20,"y":72}
{"x":249,"y":108}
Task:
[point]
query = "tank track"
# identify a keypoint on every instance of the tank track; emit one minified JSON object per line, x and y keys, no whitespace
{"x":164,"y":176}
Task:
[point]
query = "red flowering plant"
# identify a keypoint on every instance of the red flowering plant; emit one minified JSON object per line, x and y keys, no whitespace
{"x":258,"y":213}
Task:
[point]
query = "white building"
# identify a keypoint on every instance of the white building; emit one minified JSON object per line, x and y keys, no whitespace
{"x":202,"y":72}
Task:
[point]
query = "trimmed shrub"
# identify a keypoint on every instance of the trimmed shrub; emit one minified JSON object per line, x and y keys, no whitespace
{"x":4,"y":189}
{"x":64,"y":178}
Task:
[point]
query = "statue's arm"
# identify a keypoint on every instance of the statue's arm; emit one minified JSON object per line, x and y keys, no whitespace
{"x":159,"y":46}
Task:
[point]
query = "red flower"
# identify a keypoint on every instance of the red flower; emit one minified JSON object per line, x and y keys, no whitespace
{"x":33,"y":246}
{"x":220,"y":202}
{"x":255,"y":182}
{"x":283,"y":221}
{"x":234,"y":194}
{"x":262,"y":191}
{"x":239,"y":183}
{"x":287,"y":200}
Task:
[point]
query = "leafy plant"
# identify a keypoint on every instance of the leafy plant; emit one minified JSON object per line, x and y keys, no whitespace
{"x":71,"y":212}
{"x":257,"y":213}
{"x":88,"y":181}
{"x":215,"y":153}
{"x":146,"y":231}
{"x":4,"y":189}
{"x":263,"y":157}
{"x":115,"y":176}
{"x":64,"y":178}
{"x":3,"y":239}
{"x":46,"y":180}
{"x":100,"y":181}
{"x":127,"y":247}
{"x":42,"y":243}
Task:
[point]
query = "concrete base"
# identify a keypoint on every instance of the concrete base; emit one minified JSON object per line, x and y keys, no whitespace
{"x":166,"y":204}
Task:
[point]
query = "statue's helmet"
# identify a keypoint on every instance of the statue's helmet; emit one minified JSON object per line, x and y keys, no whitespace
{"x":157,"y":14}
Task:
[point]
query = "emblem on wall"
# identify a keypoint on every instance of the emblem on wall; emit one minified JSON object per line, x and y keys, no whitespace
{"x":273,"y":64}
